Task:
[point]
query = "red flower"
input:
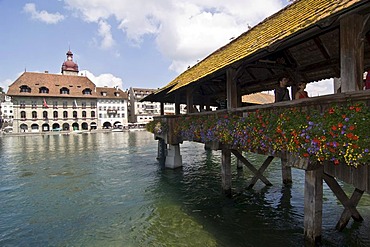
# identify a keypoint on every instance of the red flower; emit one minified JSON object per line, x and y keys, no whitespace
{"x":350,"y":135}
{"x":340,"y":125}
{"x":331,"y":111}
{"x":336,"y":162}
{"x":351,"y":127}
{"x":306,"y":155}
{"x":334,"y":127}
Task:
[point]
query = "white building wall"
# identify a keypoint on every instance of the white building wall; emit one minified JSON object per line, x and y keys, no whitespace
{"x":112,"y":111}
{"x":7,"y":110}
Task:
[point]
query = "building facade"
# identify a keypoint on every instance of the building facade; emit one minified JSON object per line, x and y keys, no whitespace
{"x":52,"y":102}
{"x":7,"y":111}
{"x":112,"y":107}
{"x":142,"y":112}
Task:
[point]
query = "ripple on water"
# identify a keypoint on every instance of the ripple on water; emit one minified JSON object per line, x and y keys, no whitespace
{"x":108,"y":190}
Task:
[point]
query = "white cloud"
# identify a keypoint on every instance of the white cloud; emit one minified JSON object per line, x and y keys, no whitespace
{"x":184,"y":30}
{"x":103,"y":80}
{"x":5,"y":84}
{"x":320,"y":88}
{"x":104,"y":32}
{"x":43,"y":15}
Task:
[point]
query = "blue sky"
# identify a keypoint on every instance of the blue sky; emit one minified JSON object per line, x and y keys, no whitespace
{"x":127,"y":43}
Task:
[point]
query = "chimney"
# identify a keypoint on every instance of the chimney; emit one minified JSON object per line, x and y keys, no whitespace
{"x":46,"y":72}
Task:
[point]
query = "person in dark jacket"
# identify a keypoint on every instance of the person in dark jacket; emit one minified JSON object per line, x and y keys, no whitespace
{"x":281,"y":92}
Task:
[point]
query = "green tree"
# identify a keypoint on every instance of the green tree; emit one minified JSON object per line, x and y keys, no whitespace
{"x":1,"y":90}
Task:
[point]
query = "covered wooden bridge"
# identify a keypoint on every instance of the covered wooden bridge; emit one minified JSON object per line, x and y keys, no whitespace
{"x":326,"y":136}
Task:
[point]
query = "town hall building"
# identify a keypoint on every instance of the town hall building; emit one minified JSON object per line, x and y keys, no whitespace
{"x":51,"y":102}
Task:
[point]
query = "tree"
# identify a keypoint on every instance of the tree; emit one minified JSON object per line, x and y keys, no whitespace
{"x":1,"y":90}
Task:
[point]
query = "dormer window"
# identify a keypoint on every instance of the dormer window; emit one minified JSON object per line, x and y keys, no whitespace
{"x":104,"y":93}
{"x":43,"y":90}
{"x":86,"y":91}
{"x":64,"y":90}
{"x":116,"y":94}
{"x":25,"y":89}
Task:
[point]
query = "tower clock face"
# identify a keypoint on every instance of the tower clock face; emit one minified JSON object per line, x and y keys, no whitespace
{"x":69,"y":58}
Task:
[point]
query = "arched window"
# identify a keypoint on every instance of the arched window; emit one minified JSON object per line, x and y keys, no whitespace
{"x":25,"y":89}
{"x":34,"y":114}
{"x":86,"y":91}
{"x":64,"y":90}
{"x":84,"y":114}
{"x":23,"y":114}
{"x":45,"y":114}
{"x":92,"y":114}
{"x":43,"y":90}
{"x":65,"y":114}
{"x":55,"y":114}
{"x":74,"y":114}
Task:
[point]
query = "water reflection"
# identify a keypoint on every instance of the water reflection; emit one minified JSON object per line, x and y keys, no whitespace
{"x":107,"y":189}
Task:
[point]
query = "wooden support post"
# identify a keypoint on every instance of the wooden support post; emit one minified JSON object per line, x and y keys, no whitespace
{"x":286,"y":171}
{"x":207,"y":103}
{"x":349,"y":204}
{"x":239,"y":164}
{"x":313,"y":194}
{"x":351,"y":53}
{"x":258,"y":174}
{"x":162,"y":151}
{"x":260,"y":171}
{"x":231,"y":89}
{"x":226,"y":171}
{"x":201,"y":108}
{"x":346,"y":215}
{"x":189,"y":100}
{"x":162,"y":109}
{"x":177,"y":104}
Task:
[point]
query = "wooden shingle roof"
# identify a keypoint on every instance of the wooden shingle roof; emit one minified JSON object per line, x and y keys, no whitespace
{"x":290,"y":21}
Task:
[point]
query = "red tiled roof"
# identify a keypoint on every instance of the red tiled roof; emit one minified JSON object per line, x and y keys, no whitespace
{"x":111,"y":93}
{"x":54,"y":82}
{"x":258,"y":98}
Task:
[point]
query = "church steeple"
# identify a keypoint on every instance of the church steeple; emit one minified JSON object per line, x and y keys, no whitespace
{"x":69,"y":67}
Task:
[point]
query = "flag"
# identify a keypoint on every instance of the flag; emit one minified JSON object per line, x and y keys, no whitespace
{"x":45,"y":104}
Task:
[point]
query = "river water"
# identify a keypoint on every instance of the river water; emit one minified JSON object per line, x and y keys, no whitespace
{"x":107,"y":189}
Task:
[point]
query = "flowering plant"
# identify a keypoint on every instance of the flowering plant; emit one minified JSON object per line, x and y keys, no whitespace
{"x":338,"y":134}
{"x":157,"y":127}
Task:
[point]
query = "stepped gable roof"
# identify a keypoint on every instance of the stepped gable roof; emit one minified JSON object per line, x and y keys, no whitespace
{"x":53,"y":82}
{"x":264,"y":38}
{"x":110,"y":93}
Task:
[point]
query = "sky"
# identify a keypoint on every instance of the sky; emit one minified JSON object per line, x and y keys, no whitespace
{"x":124,"y":43}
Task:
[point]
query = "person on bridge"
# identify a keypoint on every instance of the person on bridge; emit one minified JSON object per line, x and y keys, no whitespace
{"x":281,"y":92}
{"x":301,"y":93}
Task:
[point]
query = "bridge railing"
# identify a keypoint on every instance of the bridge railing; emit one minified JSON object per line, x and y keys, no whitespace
{"x":326,"y":128}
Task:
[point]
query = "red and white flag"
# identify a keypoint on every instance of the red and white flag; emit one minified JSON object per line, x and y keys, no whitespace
{"x":45,"y":104}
